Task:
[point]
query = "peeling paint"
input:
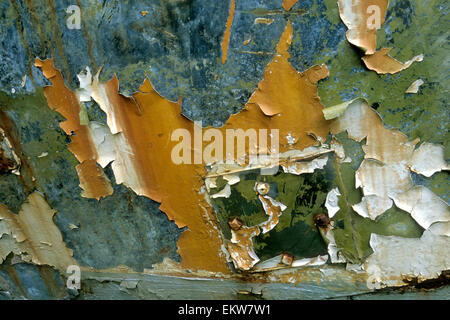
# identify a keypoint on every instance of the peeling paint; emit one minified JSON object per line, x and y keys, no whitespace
{"x":29,"y":230}
{"x":65,"y":102}
{"x":383,"y":63}
{"x":428,"y":159}
{"x":226,"y":37}
{"x":395,"y":259}
{"x":9,"y":161}
{"x":332,"y":202}
{"x":360,"y":18}
{"x":414,"y":87}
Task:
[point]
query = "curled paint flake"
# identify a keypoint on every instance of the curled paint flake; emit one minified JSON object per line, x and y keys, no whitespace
{"x":232,"y":178}
{"x":428,"y":159}
{"x":336,"y":110}
{"x":279,"y":262}
{"x":384,"y":174}
{"x":440,"y":228}
{"x":383,"y":63}
{"x":414,"y":87}
{"x":263,"y":21}
{"x":315,"y":261}
{"x":425,"y":207}
{"x":300,"y":167}
{"x":332,"y":202}
{"x":68,"y":104}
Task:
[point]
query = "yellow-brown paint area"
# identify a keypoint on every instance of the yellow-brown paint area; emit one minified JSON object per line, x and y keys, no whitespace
{"x":383,"y":63}
{"x":274,"y":212}
{"x":65,"y":102}
{"x":288,"y":4}
{"x":226,"y":37}
{"x":285,"y":100}
{"x":147,"y":124}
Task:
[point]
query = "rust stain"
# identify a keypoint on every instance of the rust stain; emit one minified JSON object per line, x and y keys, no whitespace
{"x":66,"y":103}
{"x":226,"y":37}
{"x":288,"y":4}
{"x":57,"y":36}
{"x":11,"y":134}
{"x":363,"y":18}
{"x":149,"y":156}
{"x":36,"y":24}
{"x":89,"y":39}
{"x":273,"y":211}
{"x":19,"y":26}
{"x":9,"y":162}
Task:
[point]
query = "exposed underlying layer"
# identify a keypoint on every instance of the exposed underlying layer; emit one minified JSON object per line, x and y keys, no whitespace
{"x":290,"y":100}
{"x":33,"y":235}
{"x":362,"y":19}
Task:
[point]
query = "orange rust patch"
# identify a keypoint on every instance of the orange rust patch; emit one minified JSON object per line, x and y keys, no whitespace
{"x":241,"y":247}
{"x":226,"y":37}
{"x":65,"y":102}
{"x":288,"y":4}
